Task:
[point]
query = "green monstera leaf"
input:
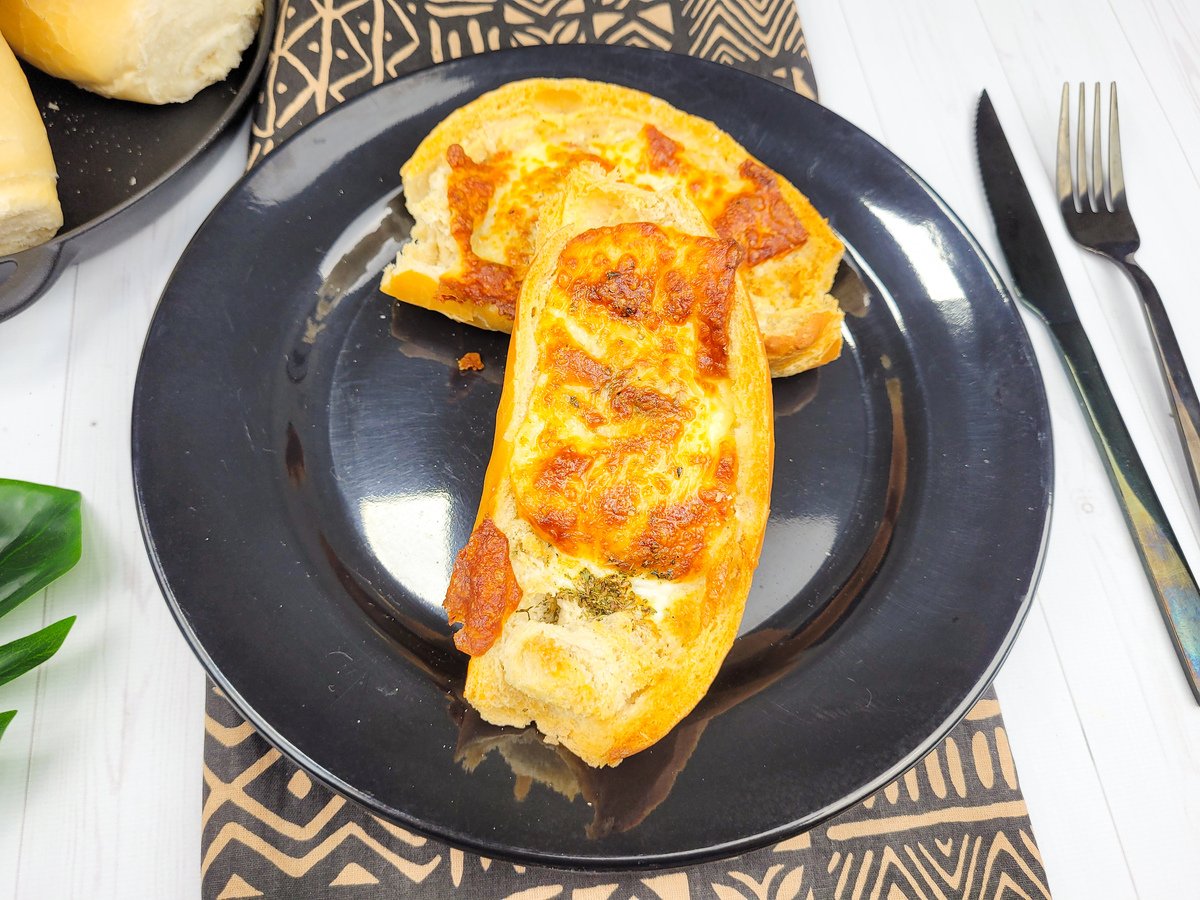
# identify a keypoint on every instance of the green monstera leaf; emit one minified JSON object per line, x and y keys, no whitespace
{"x":29,"y":652}
{"x":41,"y":536}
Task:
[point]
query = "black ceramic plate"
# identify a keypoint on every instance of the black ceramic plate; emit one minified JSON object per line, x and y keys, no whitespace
{"x":307,"y":463}
{"x":111,"y":155}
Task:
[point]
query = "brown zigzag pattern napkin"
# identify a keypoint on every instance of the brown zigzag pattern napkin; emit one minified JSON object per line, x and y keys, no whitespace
{"x":954,"y":826}
{"x":327,"y":52}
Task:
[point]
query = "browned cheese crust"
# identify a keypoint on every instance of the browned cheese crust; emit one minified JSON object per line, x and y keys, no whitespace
{"x":627,"y":493}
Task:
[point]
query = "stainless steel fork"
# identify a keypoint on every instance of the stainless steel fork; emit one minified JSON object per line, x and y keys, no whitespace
{"x":1098,"y":218}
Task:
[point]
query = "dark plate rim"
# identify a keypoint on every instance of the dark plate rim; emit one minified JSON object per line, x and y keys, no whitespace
{"x":1045,"y":474}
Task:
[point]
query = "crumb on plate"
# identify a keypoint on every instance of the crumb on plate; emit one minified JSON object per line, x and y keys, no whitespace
{"x":470,"y":362}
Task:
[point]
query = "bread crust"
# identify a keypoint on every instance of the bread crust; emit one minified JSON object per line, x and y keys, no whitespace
{"x":149,"y":51}
{"x":608,"y":686}
{"x":800,"y":321}
{"x":30,"y":213}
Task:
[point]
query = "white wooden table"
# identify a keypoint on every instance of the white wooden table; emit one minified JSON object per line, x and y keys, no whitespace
{"x":100,"y":771}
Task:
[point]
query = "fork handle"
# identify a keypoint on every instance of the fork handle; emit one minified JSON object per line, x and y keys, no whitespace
{"x":1184,"y":404}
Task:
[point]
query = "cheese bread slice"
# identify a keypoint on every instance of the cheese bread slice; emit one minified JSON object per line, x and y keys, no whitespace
{"x":479,"y":183}
{"x":626,"y":497}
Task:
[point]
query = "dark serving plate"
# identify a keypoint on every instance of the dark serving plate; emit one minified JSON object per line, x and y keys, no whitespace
{"x":112,"y":155}
{"x":307,"y":462}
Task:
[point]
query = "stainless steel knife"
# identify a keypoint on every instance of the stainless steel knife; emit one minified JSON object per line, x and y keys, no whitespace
{"x":1040,"y":284}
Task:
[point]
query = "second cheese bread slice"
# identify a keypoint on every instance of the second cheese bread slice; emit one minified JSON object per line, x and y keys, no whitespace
{"x":478,"y":184}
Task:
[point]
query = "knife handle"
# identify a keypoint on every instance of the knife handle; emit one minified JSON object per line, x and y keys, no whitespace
{"x":1170,"y":578}
{"x":1184,"y":404}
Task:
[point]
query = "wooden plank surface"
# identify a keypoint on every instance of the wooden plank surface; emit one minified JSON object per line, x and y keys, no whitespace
{"x":100,"y":772}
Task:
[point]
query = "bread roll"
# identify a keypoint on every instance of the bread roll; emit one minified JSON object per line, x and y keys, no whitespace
{"x":477,"y":184}
{"x":626,"y":497}
{"x":29,"y":210}
{"x":152,"y":51}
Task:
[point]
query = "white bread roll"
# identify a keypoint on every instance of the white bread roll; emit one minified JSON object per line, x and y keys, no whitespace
{"x":625,"y":502}
{"x":29,"y":210}
{"x":152,"y":51}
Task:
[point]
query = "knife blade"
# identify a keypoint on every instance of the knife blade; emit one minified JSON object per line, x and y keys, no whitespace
{"x":1039,"y":283}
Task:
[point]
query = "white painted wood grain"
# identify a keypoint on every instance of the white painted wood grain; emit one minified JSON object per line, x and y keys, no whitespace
{"x":905,"y":59}
{"x":1142,"y":726}
{"x":102,"y":765}
{"x":33,"y":374}
{"x":110,"y":793}
{"x":1158,"y":116}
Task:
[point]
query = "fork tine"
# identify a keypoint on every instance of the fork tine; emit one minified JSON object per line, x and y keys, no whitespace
{"x":1062,"y":168}
{"x":1097,"y":191}
{"x":1081,"y":174}
{"x":1116,"y":175}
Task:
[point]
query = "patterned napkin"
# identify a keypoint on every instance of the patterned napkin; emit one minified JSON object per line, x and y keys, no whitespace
{"x":954,"y":826}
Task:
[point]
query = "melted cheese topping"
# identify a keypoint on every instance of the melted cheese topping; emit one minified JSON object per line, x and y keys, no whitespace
{"x":495,"y":201}
{"x":626,"y":455}
{"x":469,"y":191}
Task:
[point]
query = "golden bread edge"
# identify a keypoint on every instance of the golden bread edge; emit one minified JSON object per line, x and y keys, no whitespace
{"x":147,"y":51}
{"x":30,"y":213}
